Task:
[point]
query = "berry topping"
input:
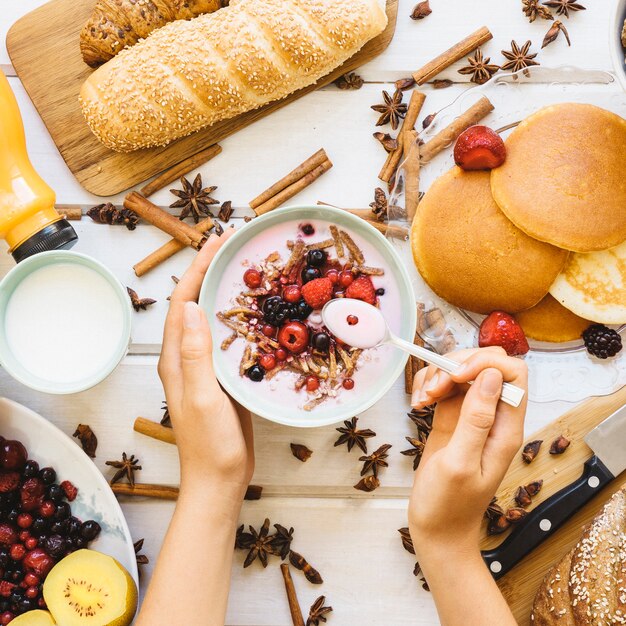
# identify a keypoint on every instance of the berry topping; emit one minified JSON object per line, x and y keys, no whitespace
{"x":348,"y":383}
{"x":362,"y":289}
{"x":320,"y":342}
{"x":312,"y":383}
{"x":346,"y":278}
{"x":48,"y":475}
{"x":302,"y":311}
{"x":276,"y":311}
{"x":281,"y":355}
{"x":316,"y":258}
{"x":8,"y":536}
{"x":310,"y":273}
{"x":70,"y":491}
{"x":268,"y":330}
{"x":479,"y":148}
{"x":6,"y":588}
{"x":9,"y":481}
{"x":317,"y":292}
{"x":24,"y":520}
{"x":291,"y":293}
{"x":267,"y":361}
{"x":307,"y":229}
{"x":17,"y":552}
{"x":12,"y":455}
{"x":32,"y":494}
{"x":352,"y":320}
{"x":47,"y":509}
{"x":333,"y":276}
{"x":31,"y":469}
{"x":90,"y":530}
{"x":256,"y":373}
{"x":501,"y":329}
{"x":294,"y":336}
{"x":380,"y":291}
{"x":38,"y":562}
{"x":601,"y":341}
{"x":252,"y":278}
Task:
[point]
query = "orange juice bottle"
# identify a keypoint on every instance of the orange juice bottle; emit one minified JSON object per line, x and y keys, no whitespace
{"x":28,"y":220}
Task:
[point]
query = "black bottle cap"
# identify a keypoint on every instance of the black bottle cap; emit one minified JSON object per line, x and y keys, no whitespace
{"x":59,"y":235}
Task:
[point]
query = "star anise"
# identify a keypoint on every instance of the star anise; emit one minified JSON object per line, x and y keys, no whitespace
{"x":407,"y":542}
{"x":387,"y":141}
{"x":352,"y":436}
{"x":421,"y":10}
{"x":375,"y":460}
{"x":243,"y":540}
{"x":87,"y":438}
{"x":194,"y":199}
{"x":532,"y":10}
{"x":349,"y":81}
{"x":142,"y":559}
{"x":317,"y":612}
{"x":109,"y":214}
{"x":281,"y":541}
{"x":166,"y":420}
{"x":423,"y":418}
{"x":226,"y":211}
{"x":392,"y":111}
{"x":380,"y":205}
{"x":563,"y":7}
{"x":480,"y":68}
{"x":553,"y":33}
{"x":418,"y":448}
{"x":139,"y":304}
{"x":126,"y":467}
{"x":519,"y":58}
{"x":261,"y":545}
{"x":367,"y":484}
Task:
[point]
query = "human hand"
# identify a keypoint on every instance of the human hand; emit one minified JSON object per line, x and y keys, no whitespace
{"x":213,"y":433}
{"x":472,"y":443}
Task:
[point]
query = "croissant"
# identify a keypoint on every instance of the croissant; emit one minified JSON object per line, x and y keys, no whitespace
{"x":191,"y":74}
{"x":116,"y":24}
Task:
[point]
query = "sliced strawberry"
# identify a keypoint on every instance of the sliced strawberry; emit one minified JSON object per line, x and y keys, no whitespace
{"x":479,"y":148}
{"x":317,"y":292}
{"x":9,"y":481}
{"x":501,"y":329}
{"x":70,"y":491}
{"x":362,"y":289}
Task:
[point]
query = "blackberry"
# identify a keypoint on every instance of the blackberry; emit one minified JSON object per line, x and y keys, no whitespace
{"x":276,"y":311}
{"x":316,"y":258}
{"x":601,"y":341}
{"x":301,"y":310}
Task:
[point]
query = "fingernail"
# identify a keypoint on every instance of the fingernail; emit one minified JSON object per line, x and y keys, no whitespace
{"x":461,"y":368}
{"x":424,"y":397}
{"x":491,"y":382}
{"x":191,"y":315}
{"x":432,"y":383}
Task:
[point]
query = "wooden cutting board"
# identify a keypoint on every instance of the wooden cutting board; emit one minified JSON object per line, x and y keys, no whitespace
{"x":44,"y":50}
{"x":520,"y":585}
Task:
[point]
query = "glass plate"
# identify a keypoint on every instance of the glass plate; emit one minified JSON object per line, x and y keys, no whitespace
{"x":563,"y":371}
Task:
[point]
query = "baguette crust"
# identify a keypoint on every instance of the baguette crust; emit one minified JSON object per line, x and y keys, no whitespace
{"x":191,"y":74}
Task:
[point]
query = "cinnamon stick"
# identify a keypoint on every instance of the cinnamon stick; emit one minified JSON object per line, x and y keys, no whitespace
{"x":70,"y":212}
{"x":446,"y":136}
{"x":296,"y":187}
{"x":393,"y":158}
{"x":169,"y":249}
{"x":390,"y":230}
{"x":180,"y":169}
{"x":296,"y":174}
{"x":411,"y":167}
{"x":292,"y":597}
{"x":168,"y":492}
{"x":414,"y":364}
{"x":453,"y":54}
{"x":164,"y":221}
{"x":154,"y":430}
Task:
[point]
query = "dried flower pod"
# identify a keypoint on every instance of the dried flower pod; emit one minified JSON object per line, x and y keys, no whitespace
{"x":405,"y":83}
{"x":350,"y":81}
{"x":522,"y":497}
{"x":534,"y":488}
{"x":126,"y":467}
{"x":442,"y":83}
{"x":559,"y":445}
{"x":226,"y":211}
{"x":387,"y":141}
{"x":407,"y":542}
{"x":301,"y":452}
{"x":300,"y":563}
{"x":318,"y":612}
{"x":109,"y":214}
{"x":494,"y":510}
{"x":368,"y":483}
{"x":498,"y":526}
{"x":532,"y":10}
{"x":553,"y":33}
{"x":428,"y":120}
{"x":88,"y":439}
{"x":281,"y":541}
{"x":142,"y":559}
{"x":421,"y":10}
{"x":139,"y":304}
{"x":531,"y":450}
{"x":372,"y":462}
{"x":218,"y":228}
{"x":253,"y":492}
{"x":516,"y":514}
{"x":380,"y":206}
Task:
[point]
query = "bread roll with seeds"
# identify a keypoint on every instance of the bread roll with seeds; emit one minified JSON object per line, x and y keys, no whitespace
{"x":191,"y":74}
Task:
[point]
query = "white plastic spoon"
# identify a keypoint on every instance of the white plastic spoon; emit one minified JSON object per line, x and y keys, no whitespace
{"x":362,"y":325}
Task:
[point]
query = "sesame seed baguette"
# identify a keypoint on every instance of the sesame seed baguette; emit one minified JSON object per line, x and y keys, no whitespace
{"x":191,"y":74}
{"x":117,"y":24}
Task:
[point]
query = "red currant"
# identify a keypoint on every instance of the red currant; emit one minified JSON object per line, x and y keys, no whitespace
{"x":252,"y":278}
{"x":291,"y":293}
{"x":267,"y":362}
{"x":333,"y":276}
{"x":31,"y":543}
{"x":268,"y":330}
{"x":32,"y":592}
{"x":24,"y":520}
{"x":17,"y":551}
{"x":294,"y":336}
{"x":348,"y":384}
{"x":345,"y":279}
{"x":281,"y":354}
{"x":47,"y":509}
{"x":6,"y":618}
{"x":42,"y":603}
{"x":352,"y":320}
{"x":284,"y":280}
{"x":24,"y":535}
{"x":31,"y":579}
{"x":312,"y":383}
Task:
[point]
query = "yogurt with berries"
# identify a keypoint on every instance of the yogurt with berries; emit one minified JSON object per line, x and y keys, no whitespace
{"x":268,"y":307}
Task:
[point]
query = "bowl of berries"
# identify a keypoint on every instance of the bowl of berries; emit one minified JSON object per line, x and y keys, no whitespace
{"x":263,"y":296}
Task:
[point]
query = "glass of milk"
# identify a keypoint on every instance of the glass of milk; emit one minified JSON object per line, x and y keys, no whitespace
{"x":65,"y":322}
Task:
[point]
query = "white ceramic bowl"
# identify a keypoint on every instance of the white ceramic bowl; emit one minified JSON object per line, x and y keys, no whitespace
{"x":352,"y":403}
{"x":8,"y":284}
{"x":615,"y":41}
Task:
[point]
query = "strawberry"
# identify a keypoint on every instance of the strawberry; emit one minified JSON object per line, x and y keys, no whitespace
{"x":69,"y":489}
{"x":9,"y":481}
{"x":479,"y":148}
{"x":362,"y":289}
{"x":501,"y":329}
{"x":317,"y":292}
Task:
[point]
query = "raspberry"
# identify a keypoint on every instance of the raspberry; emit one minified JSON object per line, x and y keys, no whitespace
{"x":8,"y":536}
{"x":38,"y":562}
{"x":6,"y":588}
{"x":69,"y":489}
{"x":32,"y":494}
{"x":9,"y":481}
{"x":362,"y":289}
{"x":601,"y":341}
{"x":317,"y":292}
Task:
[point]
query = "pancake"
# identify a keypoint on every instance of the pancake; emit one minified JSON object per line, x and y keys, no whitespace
{"x":551,"y":321}
{"x":471,"y":255}
{"x":593,"y":285}
{"x":564,"y":178}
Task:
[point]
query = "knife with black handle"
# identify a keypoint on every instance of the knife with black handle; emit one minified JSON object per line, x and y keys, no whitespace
{"x":608,"y":442}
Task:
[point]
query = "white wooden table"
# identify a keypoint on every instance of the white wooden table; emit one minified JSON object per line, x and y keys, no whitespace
{"x":350,"y":537}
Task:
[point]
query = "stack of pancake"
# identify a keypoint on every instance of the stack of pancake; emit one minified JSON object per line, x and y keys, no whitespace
{"x":544,"y":235}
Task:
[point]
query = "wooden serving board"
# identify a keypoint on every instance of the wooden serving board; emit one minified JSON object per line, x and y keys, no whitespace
{"x":520,"y":585}
{"x":44,"y":50}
